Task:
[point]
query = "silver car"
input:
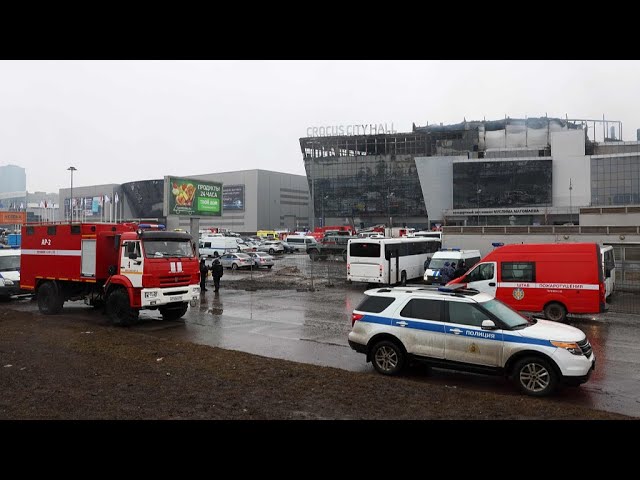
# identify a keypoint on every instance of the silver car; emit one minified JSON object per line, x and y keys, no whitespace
{"x":235,"y":261}
{"x":271,"y":246}
{"x":261,"y":259}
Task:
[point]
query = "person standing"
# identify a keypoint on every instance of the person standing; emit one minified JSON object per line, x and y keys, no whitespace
{"x":217,"y":272}
{"x":203,"y":275}
{"x":461,"y":270}
{"x":446,"y":273}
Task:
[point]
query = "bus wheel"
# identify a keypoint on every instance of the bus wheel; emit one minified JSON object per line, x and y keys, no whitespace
{"x":555,"y":312}
{"x":403,"y":278}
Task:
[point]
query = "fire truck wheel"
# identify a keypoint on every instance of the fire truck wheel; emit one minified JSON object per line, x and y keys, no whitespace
{"x":49,"y":302}
{"x":119,"y":310}
{"x":555,"y":312}
{"x":173,"y":313}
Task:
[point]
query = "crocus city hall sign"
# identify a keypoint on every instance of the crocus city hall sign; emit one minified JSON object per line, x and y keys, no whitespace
{"x":336,"y":130}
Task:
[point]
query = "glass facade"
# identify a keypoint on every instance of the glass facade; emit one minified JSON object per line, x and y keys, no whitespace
{"x":519,"y":183}
{"x":615,"y":180}
{"x":371,"y":188}
{"x":144,"y":198}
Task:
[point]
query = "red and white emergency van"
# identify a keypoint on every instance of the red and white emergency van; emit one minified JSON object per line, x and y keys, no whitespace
{"x":125,"y":267}
{"x":554,"y":278}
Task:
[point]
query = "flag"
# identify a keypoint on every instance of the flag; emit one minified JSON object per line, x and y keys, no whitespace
{"x":73,"y":202}
{"x":42,"y":205}
{"x":115,"y":198}
{"x":45,"y":204}
{"x":21,"y":206}
{"x":100,"y":200}
{"x":106,"y":199}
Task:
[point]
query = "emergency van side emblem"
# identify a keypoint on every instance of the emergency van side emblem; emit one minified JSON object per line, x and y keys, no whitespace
{"x":518,"y":293}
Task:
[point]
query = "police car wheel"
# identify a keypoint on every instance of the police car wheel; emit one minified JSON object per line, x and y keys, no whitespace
{"x":535,"y":376}
{"x":555,"y":312}
{"x":387,"y":357}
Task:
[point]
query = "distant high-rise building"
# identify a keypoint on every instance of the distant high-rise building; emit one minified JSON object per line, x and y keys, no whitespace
{"x":12,"y":179}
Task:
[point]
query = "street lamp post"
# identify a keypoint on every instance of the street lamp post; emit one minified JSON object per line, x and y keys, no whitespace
{"x":71,"y":169}
{"x":570,"y":202}
{"x":389,"y":198}
{"x":478,"y":193}
{"x":322,"y":201}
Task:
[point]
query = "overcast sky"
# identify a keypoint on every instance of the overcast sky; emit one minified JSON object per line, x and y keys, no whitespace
{"x":120,"y":121}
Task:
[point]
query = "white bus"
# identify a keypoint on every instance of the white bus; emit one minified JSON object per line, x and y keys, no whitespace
{"x":388,"y":260}
{"x":608,"y":269}
{"x":428,"y":234}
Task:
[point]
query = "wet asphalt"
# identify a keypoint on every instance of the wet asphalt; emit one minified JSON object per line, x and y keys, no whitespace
{"x":312,"y":327}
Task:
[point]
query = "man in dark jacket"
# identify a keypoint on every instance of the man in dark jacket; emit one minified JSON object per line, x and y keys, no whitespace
{"x":461,"y":270}
{"x":217,"y":272}
{"x":204,"y":270}
{"x":445,"y":273}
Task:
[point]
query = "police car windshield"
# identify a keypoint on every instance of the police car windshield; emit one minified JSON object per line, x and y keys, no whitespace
{"x":509,"y":316}
{"x":437,"y":263}
{"x":9,"y":263}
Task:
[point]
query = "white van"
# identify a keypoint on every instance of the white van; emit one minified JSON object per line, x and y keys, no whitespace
{"x":300,"y":243}
{"x":439,"y":258}
{"x":9,"y":272}
{"x":222,"y":245}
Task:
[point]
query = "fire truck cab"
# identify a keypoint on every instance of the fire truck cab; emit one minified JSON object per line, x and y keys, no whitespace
{"x":123,"y":267}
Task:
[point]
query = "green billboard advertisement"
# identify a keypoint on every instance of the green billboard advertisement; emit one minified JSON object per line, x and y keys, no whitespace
{"x":193,"y":198}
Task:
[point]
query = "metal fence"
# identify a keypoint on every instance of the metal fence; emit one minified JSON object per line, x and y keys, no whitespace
{"x":296,"y":271}
{"x":292,"y":271}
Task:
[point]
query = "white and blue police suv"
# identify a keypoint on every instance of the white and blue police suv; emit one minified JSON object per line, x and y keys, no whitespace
{"x":464,"y":329}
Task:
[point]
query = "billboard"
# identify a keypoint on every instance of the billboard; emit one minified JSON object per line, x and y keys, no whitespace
{"x":192,"y":198}
{"x":13,"y":218}
{"x":233,"y":197}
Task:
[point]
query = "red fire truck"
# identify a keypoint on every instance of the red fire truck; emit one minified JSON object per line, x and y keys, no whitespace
{"x":124,"y":267}
{"x":319,"y":232}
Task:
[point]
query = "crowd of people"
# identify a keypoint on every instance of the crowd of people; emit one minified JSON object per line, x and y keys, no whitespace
{"x":451,"y":271}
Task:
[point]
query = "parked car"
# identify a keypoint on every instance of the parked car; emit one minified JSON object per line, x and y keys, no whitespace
{"x":271,"y":246}
{"x":464,"y":329}
{"x":300,"y":242}
{"x":287,"y":247}
{"x":262,"y":259}
{"x":9,"y":272}
{"x":235,"y":261}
